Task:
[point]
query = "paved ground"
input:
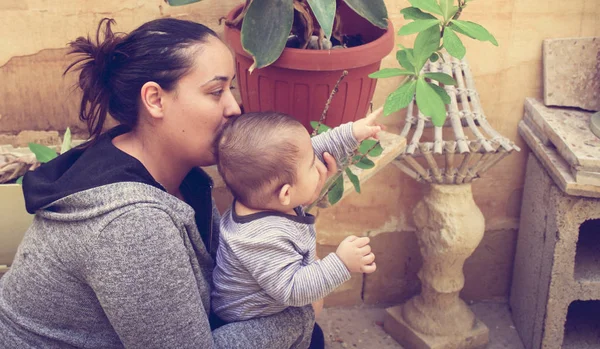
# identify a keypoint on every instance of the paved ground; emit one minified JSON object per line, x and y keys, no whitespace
{"x":361,"y":327}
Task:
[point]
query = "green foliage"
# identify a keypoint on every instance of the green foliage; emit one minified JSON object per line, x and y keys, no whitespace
{"x":319,"y":127}
{"x":324,"y":11}
{"x":437,"y":23}
{"x":44,"y":154}
{"x":353,"y":179}
{"x":336,"y":190}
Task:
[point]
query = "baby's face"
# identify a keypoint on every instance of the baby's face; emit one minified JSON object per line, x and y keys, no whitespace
{"x":311,"y":173}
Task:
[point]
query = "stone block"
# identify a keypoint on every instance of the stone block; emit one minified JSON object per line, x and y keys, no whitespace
{"x":23,"y":138}
{"x":557,"y":264}
{"x":571,"y":74}
{"x":395,"y":325}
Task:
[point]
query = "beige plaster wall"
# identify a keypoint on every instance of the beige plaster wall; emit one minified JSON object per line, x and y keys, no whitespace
{"x":35,"y":96}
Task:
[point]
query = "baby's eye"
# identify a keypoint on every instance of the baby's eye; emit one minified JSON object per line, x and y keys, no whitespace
{"x":217,"y":93}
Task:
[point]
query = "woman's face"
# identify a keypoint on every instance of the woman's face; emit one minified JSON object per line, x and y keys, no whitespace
{"x":200,"y":104}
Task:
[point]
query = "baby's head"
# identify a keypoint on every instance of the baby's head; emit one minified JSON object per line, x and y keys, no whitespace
{"x":267,"y":161}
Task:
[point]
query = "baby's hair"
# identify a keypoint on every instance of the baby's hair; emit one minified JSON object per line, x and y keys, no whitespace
{"x":256,"y":155}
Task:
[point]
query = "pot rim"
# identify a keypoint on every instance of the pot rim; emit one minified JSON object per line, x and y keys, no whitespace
{"x":329,"y":60}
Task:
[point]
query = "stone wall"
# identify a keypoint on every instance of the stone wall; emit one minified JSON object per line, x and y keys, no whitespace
{"x":35,"y":96}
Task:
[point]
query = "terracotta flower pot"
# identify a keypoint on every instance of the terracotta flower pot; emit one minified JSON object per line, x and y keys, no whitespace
{"x":300,"y":81}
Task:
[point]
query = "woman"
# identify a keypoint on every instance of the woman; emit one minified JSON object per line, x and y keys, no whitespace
{"x":120,"y":253}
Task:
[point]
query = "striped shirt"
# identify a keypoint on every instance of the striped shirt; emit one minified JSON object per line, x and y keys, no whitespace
{"x":266,"y":260}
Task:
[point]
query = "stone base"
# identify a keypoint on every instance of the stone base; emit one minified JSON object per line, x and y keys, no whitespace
{"x":395,"y":325}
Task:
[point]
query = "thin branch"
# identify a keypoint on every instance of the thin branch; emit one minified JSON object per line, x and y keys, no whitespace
{"x":333,"y":92}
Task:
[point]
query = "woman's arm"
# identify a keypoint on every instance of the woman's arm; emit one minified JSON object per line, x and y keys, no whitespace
{"x":141,"y":273}
{"x":291,"y":328}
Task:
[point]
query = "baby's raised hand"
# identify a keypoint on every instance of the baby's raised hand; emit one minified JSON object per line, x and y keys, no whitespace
{"x":356,"y":254}
{"x":367,"y":127}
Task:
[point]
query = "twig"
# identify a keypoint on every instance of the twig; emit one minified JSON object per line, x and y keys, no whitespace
{"x":333,"y":92}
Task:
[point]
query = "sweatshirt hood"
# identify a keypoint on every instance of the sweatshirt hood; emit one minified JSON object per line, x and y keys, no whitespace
{"x":83,"y":170}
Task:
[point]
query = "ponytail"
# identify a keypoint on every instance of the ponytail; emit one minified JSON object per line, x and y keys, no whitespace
{"x":95,"y":61}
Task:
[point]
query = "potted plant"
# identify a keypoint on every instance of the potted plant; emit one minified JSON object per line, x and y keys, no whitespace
{"x":277,"y":69}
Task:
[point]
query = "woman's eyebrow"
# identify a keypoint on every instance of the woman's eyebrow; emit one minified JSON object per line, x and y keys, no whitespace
{"x":219,"y":78}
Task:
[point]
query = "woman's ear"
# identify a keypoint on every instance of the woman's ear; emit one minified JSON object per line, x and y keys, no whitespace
{"x":151,"y":95}
{"x":285,"y":195}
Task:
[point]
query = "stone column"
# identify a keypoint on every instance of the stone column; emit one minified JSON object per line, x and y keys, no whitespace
{"x":450,"y":227}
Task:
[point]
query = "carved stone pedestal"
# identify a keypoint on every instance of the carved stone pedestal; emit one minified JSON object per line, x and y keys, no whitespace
{"x":450,"y":226}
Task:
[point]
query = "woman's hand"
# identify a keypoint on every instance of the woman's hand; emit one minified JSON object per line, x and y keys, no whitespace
{"x":367,"y":127}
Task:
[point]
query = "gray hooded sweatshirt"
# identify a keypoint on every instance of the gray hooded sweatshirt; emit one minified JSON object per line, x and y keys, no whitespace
{"x":114,"y":261}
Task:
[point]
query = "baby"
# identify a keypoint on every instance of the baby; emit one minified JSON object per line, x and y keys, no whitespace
{"x":266,"y":258}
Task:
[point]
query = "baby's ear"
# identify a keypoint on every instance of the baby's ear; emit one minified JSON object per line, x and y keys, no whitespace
{"x":285,"y":195}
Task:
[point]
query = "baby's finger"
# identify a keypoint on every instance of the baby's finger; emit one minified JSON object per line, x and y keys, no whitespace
{"x":351,"y":238}
{"x":360,"y":242}
{"x":374,"y":115}
{"x":368,"y":269}
{"x":365,"y":250}
{"x":368,"y":259}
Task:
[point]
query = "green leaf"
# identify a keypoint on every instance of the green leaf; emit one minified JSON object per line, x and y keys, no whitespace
{"x":354,"y":179}
{"x":458,"y":30}
{"x":417,"y":26}
{"x":181,"y":2}
{"x":475,"y":31}
{"x":400,"y":98}
{"x":66,"y":144}
{"x":441,"y":92}
{"x":42,"y":153}
{"x":389,"y":72}
{"x":427,"y":5}
{"x":324,"y":11}
{"x":441,"y":77}
{"x":364,"y":162}
{"x":337,"y":190}
{"x":373,"y":10}
{"x":430,"y":103}
{"x":414,"y":13}
{"x":434,"y":57}
{"x":426,"y":43}
{"x":453,"y":44}
{"x":265,"y":39}
{"x":368,"y":144}
{"x":446,"y":6}
{"x":20,"y":180}
{"x":321,"y":127}
{"x":403,"y":60}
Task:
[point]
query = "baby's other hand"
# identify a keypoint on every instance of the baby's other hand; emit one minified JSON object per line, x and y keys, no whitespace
{"x":356,"y":254}
{"x":367,"y":127}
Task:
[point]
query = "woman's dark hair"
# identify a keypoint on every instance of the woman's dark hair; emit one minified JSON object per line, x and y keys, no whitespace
{"x":116,"y":66}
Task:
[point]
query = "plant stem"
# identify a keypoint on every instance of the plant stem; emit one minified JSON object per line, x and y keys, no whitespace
{"x":333,"y":92}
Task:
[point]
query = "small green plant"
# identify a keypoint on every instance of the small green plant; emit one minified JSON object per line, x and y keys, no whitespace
{"x":437,"y":25}
{"x":44,"y":154}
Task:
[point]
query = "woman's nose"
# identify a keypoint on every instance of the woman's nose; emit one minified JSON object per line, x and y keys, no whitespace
{"x":232,"y":108}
